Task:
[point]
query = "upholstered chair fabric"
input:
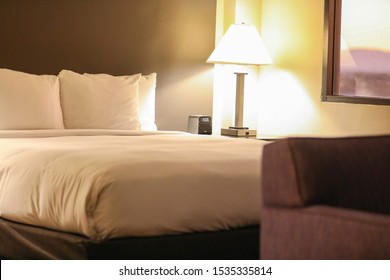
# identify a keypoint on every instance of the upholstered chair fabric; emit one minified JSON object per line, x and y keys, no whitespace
{"x":326,"y":198}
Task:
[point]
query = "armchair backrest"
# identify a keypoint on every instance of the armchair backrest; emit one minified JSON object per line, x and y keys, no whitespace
{"x":350,"y":172}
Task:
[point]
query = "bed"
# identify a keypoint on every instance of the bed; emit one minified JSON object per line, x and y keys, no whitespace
{"x":70,"y":189}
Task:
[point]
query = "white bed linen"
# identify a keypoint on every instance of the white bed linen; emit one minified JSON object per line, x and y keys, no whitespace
{"x":107,"y":183}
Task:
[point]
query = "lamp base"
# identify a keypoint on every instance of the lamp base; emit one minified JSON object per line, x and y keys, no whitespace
{"x":238,"y":132}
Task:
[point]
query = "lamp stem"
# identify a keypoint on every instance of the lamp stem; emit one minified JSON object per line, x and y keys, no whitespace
{"x":239,"y":114}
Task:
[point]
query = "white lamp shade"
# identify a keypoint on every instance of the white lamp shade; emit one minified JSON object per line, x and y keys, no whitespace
{"x":242,"y":45}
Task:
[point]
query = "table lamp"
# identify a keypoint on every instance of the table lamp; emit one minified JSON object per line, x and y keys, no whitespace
{"x":241,"y":45}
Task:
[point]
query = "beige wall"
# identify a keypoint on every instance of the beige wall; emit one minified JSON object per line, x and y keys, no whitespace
{"x":287,"y":94}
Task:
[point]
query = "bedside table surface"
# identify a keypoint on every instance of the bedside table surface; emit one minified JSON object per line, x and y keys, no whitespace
{"x":268,"y":137}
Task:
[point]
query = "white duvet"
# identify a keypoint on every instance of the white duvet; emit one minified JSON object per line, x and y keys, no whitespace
{"x":106,"y":184}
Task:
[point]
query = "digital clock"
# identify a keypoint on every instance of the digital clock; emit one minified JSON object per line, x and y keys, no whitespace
{"x":199,"y":124}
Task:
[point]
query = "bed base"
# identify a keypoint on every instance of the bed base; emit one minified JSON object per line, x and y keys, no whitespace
{"x":19,"y":241}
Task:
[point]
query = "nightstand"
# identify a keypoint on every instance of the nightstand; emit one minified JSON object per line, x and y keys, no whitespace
{"x":267,"y":137}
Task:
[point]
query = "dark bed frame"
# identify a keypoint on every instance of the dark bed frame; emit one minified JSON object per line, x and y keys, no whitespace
{"x":20,"y":241}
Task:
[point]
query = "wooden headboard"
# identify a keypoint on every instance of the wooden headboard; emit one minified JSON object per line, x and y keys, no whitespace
{"x":170,"y":37}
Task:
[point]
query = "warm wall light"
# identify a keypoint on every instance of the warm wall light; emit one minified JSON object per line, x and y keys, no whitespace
{"x":240,"y":45}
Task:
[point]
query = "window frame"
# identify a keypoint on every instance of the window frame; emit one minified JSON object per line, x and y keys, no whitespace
{"x":331,"y":59}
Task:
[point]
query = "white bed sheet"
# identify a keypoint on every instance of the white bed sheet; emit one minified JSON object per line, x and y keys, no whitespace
{"x":107,"y":183}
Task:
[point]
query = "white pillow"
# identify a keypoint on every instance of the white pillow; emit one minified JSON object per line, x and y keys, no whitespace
{"x":29,"y":101}
{"x":147,"y":101}
{"x":99,"y":101}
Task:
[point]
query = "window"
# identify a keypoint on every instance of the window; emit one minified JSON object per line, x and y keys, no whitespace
{"x":357,"y":51}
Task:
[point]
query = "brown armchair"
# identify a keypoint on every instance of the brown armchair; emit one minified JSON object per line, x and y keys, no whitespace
{"x":326,"y":198}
